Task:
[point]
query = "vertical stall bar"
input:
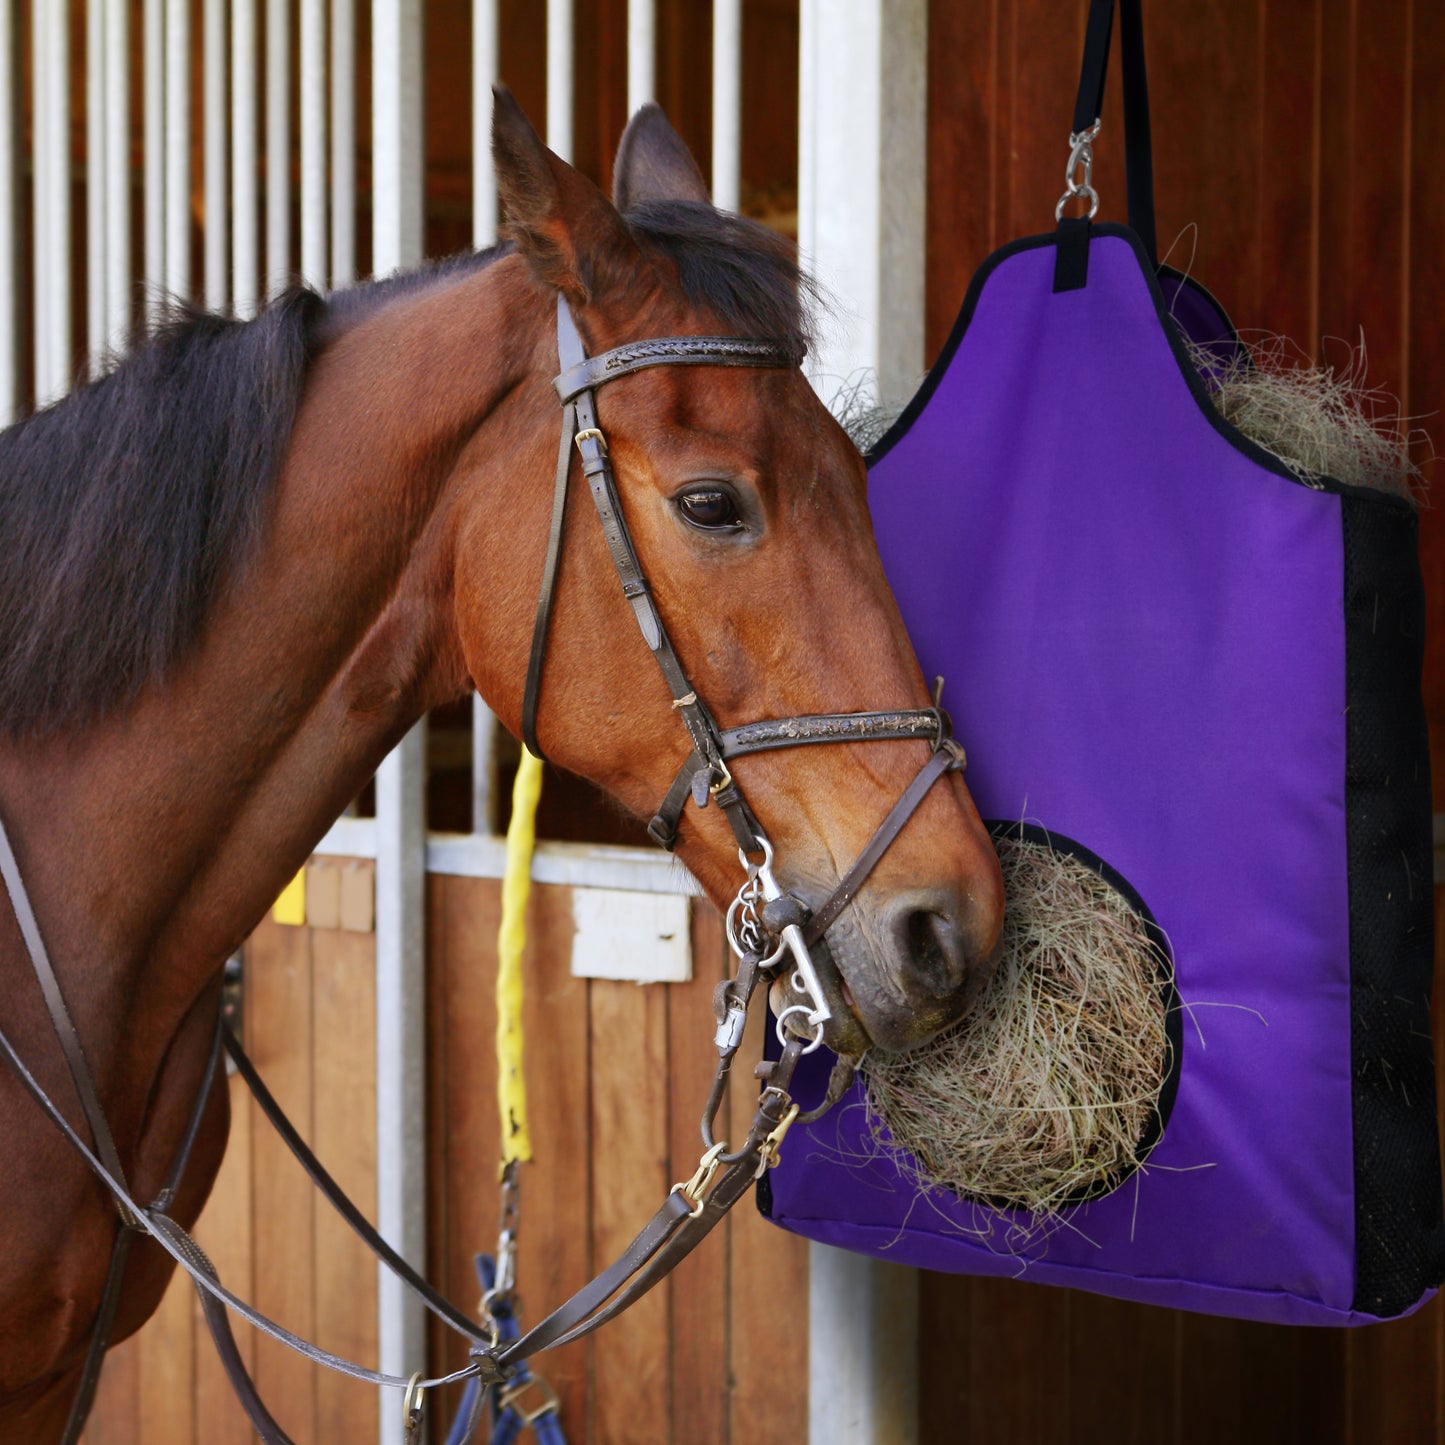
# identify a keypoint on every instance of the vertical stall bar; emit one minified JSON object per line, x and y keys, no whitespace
{"x":245,"y":215}
{"x":118,"y":282}
{"x":313,"y":143}
{"x":178,"y":148}
{"x":52,"y":201}
{"x":95,"y":228}
{"x":486,"y":67}
{"x":861,"y":156}
{"x":396,"y":142}
{"x":641,"y":53}
{"x":153,"y":46}
{"x":397,"y":163}
{"x":9,"y":219}
{"x":40,"y":200}
{"x":343,"y":143}
{"x":559,"y":77}
{"x":217,"y":232}
{"x":278,"y":146}
{"x":727,"y":103}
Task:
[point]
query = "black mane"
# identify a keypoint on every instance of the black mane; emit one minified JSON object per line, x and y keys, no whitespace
{"x":124,"y":507}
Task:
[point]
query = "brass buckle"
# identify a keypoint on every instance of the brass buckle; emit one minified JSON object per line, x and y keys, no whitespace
{"x":696,"y":1188}
{"x":510,"y":1394}
{"x":770,"y":1148}
{"x":726,"y":781}
{"x":591,"y":433}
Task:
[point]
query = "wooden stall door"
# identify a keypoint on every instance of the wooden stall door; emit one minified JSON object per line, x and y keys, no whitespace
{"x":310,"y":1027}
{"x":616,"y":1075}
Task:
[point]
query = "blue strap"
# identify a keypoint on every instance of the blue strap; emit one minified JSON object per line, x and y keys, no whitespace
{"x":507,"y":1423}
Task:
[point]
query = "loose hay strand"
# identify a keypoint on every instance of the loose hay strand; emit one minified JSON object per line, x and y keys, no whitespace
{"x":1043,"y":1094}
{"x":1319,"y":421}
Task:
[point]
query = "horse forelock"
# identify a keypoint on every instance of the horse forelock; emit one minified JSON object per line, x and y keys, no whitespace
{"x":732,"y":268}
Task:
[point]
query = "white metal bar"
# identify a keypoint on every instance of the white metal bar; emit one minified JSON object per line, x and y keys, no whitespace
{"x":641,"y":53}
{"x":862,"y":133}
{"x":245,"y":221}
{"x":214,"y":157}
{"x":863,"y":1366}
{"x":343,"y":143}
{"x":400,"y":1057}
{"x":559,"y":77}
{"x":52,"y":201}
{"x":95,"y":228}
{"x":396,"y":134}
{"x":570,"y":865}
{"x":9,"y":219}
{"x":484,"y":737}
{"x":118,"y":295}
{"x":153,"y":28}
{"x":727,"y":103}
{"x":397,"y":161}
{"x":862,"y":153}
{"x":278,"y":146}
{"x":313,"y":143}
{"x":486,"y":67}
{"x":178,"y":148}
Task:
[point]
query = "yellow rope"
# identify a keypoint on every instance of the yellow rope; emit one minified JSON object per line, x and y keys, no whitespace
{"x":511,"y":945}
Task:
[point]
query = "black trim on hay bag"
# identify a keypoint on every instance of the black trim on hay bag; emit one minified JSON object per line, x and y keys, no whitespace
{"x":1399,"y":1236}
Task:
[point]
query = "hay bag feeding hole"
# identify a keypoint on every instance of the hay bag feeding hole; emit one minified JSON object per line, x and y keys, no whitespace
{"x":1057,"y":1084}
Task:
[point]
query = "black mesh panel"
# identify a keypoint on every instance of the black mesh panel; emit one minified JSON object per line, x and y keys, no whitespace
{"x":1400,"y":1242}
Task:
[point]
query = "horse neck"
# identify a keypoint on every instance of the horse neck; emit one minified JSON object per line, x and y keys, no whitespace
{"x":156,"y":840}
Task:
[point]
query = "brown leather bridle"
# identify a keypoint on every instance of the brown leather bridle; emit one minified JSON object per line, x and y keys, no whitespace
{"x":705,"y":775}
{"x":765,"y":927}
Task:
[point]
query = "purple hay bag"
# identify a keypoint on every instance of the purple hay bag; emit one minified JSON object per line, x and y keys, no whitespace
{"x":1145,"y":652}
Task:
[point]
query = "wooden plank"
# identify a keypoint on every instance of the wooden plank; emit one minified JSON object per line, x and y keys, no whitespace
{"x":343,"y":997}
{"x":165,"y":1366}
{"x":1121,"y":1365}
{"x":224,"y":1232}
{"x":1425,"y":377}
{"x":1287,"y":206}
{"x":115,"y":1416}
{"x":278,"y":1024}
{"x":1042,"y":45}
{"x":461,"y":1084}
{"x":945,"y":1342}
{"x":1392,"y":1371}
{"x":699,"y":1287}
{"x":558,"y":1253}
{"x":767,"y":1296}
{"x":1018,"y":1380}
{"x":629,"y":1179}
{"x":965,"y":165}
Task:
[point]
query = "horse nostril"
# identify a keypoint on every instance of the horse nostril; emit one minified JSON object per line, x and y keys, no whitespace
{"x":933,"y":948}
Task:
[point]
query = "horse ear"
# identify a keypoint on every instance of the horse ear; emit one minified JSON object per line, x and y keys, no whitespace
{"x":654,"y":164}
{"x":567,"y":229}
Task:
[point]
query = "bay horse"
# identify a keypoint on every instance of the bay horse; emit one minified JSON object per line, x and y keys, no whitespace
{"x":238,"y":568}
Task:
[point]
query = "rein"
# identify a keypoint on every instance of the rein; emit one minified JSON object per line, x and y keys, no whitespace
{"x":766,"y":928}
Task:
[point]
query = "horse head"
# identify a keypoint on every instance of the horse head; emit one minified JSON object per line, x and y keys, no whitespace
{"x":747,"y":506}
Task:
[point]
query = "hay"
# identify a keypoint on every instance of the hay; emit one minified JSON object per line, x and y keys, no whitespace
{"x":1043,"y":1095}
{"x":1317,"y":420}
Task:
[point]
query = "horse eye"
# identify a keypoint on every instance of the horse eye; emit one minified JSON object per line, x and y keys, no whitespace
{"x":711,"y":508}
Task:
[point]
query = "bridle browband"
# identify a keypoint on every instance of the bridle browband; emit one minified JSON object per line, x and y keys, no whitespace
{"x":705,"y":775}
{"x":764,"y":926}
